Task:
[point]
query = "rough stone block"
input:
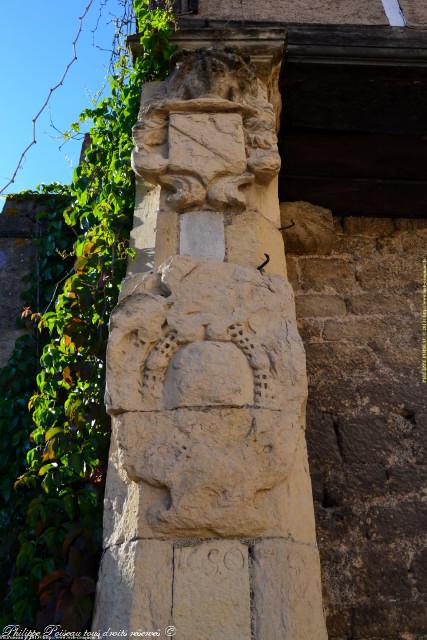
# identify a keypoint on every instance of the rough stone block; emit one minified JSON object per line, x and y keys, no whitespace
{"x":377,"y":227}
{"x":367,"y":445}
{"x":347,"y":247}
{"x":18,"y":217}
{"x":311,"y":329}
{"x":379,"y":571}
{"x":419,"y":570}
{"x":134,"y":590}
{"x":403,"y":479}
{"x":415,"y":244}
{"x":338,"y":622}
{"x":286,"y":587}
{"x":321,"y":437}
{"x":410,"y":224}
{"x":16,"y":259}
{"x":202,"y":235}
{"x":390,"y":272}
{"x":167,"y":236}
{"x":310,"y":229}
{"x":7,"y":343}
{"x":379,"y":304}
{"x":319,"y":274}
{"x":356,"y":328}
{"x":323,"y":306}
{"x":211,"y":591}
{"x":394,"y":521}
{"x":386,"y":620}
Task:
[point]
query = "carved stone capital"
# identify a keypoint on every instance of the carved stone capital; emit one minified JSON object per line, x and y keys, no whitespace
{"x":263,"y":47}
{"x":209,"y":133}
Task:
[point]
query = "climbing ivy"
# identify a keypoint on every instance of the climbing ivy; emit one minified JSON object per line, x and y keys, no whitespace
{"x":63,"y":484}
{"x":17,"y":379}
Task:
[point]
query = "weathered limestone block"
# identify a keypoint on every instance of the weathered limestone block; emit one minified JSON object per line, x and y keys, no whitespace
{"x":196,"y":144}
{"x":308,"y":228}
{"x":202,"y":235}
{"x":152,"y":328}
{"x":211,"y":593}
{"x":143,"y":235}
{"x":147,"y":203}
{"x":122,"y":502}
{"x":250,"y":237}
{"x":135,"y":591}
{"x":167,"y":235}
{"x":138,"y":505}
{"x":287,"y":591}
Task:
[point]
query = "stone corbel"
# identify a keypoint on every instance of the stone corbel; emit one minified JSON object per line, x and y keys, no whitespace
{"x":263,"y":47}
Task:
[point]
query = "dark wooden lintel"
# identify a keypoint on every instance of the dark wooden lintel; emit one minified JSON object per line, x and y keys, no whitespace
{"x":358,"y":197}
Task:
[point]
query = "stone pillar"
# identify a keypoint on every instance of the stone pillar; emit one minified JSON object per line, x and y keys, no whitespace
{"x":209,"y":523}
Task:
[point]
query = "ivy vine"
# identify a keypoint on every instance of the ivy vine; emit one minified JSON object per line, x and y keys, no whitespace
{"x":17,"y":378}
{"x":62,"y":486}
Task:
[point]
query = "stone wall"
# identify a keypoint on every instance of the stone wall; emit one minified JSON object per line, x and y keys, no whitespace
{"x":310,"y":11}
{"x":358,"y":310}
{"x":17,"y":258}
{"x":344,"y":12}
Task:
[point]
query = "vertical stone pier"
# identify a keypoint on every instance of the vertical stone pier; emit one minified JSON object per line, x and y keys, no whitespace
{"x":209,"y":524}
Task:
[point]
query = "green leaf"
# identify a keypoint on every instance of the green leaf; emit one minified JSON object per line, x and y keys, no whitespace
{"x":46,"y":467}
{"x":53,"y":431}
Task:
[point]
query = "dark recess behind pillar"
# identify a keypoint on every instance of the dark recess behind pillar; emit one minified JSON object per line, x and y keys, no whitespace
{"x":354,"y":122}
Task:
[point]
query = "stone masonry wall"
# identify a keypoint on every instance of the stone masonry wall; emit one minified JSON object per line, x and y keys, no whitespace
{"x":344,"y":12}
{"x":17,"y":258}
{"x":359,"y":314}
{"x":310,"y":11}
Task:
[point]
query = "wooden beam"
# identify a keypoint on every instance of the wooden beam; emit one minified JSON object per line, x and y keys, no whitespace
{"x":352,"y":154}
{"x":376,"y":99}
{"x":351,"y":196}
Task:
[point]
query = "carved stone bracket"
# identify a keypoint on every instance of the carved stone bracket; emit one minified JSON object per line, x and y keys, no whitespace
{"x":211,"y":96}
{"x":206,"y":140}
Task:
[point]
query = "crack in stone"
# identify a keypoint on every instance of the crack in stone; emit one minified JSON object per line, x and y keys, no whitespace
{"x":338,"y":438}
